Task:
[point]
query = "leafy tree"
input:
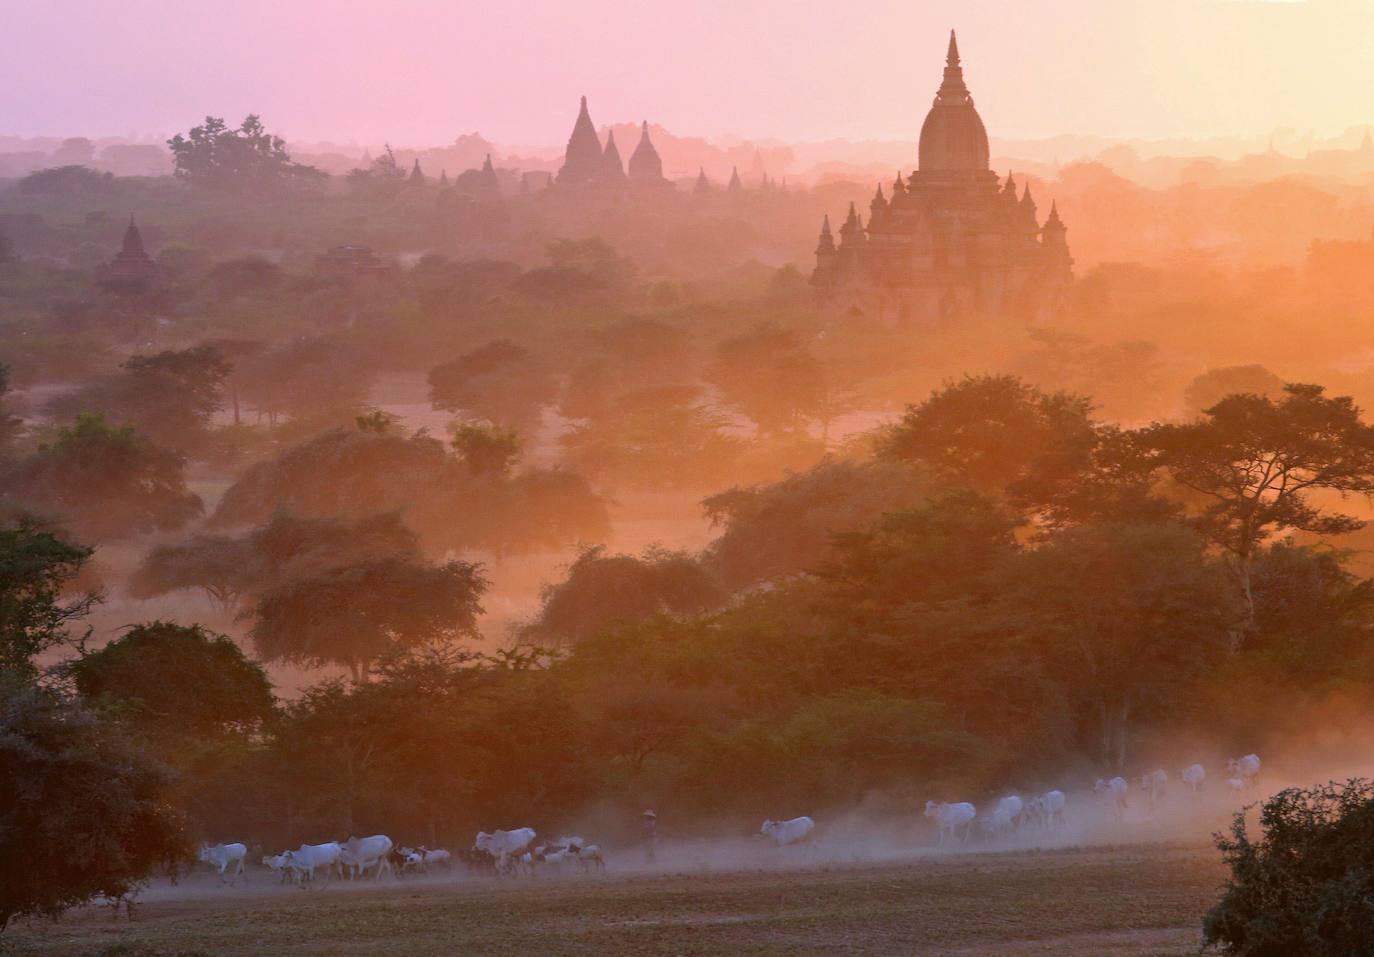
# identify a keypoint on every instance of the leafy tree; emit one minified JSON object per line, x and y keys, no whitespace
{"x":171,"y":397}
{"x":355,"y":614}
{"x":603,"y":589}
{"x":1254,"y":464}
{"x":654,"y":438}
{"x":246,"y":276}
{"x":218,"y":565}
{"x":1155,"y":621}
{"x":243,"y":160}
{"x":106,"y":482}
{"x":992,"y":433}
{"x":309,"y":378}
{"x":499,"y":381}
{"x":84,"y":809}
{"x":170,"y":680}
{"x":383,"y":179}
{"x":769,"y":375}
{"x":767,"y":531}
{"x":37,"y":571}
{"x":1209,"y":388}
{"x":487,"y":450}
{"x":67,"y":179}
{"x":1303,"y":885}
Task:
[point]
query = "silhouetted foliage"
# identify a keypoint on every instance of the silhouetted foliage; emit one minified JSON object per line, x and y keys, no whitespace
{"x":769,"y":375}
{"x":500,"y":381}
{"x":1214,"y":385}
{"x":1303,"y":885}
{"x":104,"y":482}
{"x":37,"y":571}
{"x":243,"y":160}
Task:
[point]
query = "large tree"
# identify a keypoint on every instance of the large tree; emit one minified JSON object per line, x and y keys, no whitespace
{"x":243,"y":160}
{"x":354,"y":614}
{"x":105,"y":482}
{"x":1256,"y":466}
{"x":170,"y":397}
{"x":500,"y":381}
{"x":770,"y":375}
{"x":37,"y":601}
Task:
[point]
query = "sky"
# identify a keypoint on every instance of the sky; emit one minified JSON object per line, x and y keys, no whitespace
{"x":421,"y":72}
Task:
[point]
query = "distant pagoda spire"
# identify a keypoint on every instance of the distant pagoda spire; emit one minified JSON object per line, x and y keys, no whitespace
{"x":646,"y":167}
{"x":417,"y":178}
{"x":132,"y":247}
{"x":443,"y":177}
{"x":735,"y":184}
{"x":703,"y":185}
{"x":851,"y":233}
{"x":612,"y":168}
{"x":582,"y":161}
{"x":953,"y":87}
{"x":827,"y":241}
{"x":490,"y":183}
{"x":898,"y":187}
{"x":877,"y":209}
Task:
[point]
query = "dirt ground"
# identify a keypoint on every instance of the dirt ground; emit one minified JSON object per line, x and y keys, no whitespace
{"x":1143,"y":900}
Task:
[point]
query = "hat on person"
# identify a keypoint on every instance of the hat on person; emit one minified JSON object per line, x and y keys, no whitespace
{"x":650,"y":813}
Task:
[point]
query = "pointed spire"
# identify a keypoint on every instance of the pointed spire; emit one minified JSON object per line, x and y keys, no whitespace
{"x":490,"y":182}
{"x":417,"y":178}
{"x":1054,"y":214}
{"x":612,"y":169}
{"x":443,"y":177}
{"x":827,"y":241}
{"x":646,"y":167}
{"x":898,"y":187}
{"x":952,"y":57}
{"x":133,"y":241}
{"x":953,"y":90}
{"x":735,"y":184}
{"x":582,"y":161}
{"x":703,"y":184}
{"x":852,"y":230}
{"x":486,"y":165}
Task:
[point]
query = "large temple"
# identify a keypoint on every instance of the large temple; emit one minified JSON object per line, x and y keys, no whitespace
{"x":953,"y":240}
{"x":587,"y":164}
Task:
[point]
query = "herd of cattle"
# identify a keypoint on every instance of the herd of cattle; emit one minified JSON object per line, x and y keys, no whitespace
{"x":502,"y":852}
{"x":515,"y":852}
{"x":1046,"y":811}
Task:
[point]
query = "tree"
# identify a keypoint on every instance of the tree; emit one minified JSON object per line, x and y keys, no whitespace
{"x":170,"y":397}
{"x":487,"y":450}
{"x":243,"y":160}
{"x":655,"y":437}
{"x":1209,"y":388}
{"x":84,"y":808}
{"x":992,"y":433}
{"x":769,"y":375}
{"x":177,"y":681}
{"x":500,"y":381}
{"x":769,"y":531}
{"x":1304,"y":885}
{"x":106,"y":482}
{"x":67,"y":179}
{"x":37,"y":569}
{"x":1154,"y":619}
{"x":355,"y":614}
{"x":602,"y":589}
{"x":308,"y":378}
{"x":1254,"y":464}
{"x":218,"y":565}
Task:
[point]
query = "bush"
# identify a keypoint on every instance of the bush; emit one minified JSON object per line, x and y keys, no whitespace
{"x":1305,"y":886}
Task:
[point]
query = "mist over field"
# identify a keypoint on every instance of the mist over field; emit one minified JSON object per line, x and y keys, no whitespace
{"x":917,"y":522}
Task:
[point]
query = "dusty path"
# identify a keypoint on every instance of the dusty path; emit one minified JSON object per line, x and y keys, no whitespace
{"x":1139,"y":900}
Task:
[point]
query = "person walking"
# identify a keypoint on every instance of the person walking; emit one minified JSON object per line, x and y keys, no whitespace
{"x":648,"y":834}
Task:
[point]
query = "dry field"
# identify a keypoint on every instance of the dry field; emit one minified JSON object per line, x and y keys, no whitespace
{"x":1142,"y":900}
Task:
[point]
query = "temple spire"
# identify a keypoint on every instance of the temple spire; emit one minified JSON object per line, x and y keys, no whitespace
{"x":703,"y":185}
{"x":735,"y":184}
{"x":952,"y":57}
{"x":611,"y":166}
{"x":827,"y":242}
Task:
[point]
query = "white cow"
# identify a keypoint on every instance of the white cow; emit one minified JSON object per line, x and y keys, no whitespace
{"x":1195,"y":776}
{"x":502,"y":845}
{"x":795,"y":831}
{"x":1154,"y":784}
{"x":1236,"y":784}
{"x":1116,"y":791}
{"x":954,"y":821}
{"x":224,"y":857}
{"x":438,"y":857}
{"x":277,"y":864}
{"x":589,"y":856}
{"x":1246,"y":768}
{"x":1052,"y":807}
{"x":1013,"y":807}
{"x":998,"y":823}
{"x":304,"y":860}
{"x":357,"y":854}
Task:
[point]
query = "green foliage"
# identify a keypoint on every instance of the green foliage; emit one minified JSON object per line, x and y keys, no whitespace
{"x":487,"y":450}
{"x":37,"y":569}
{"x":62,"y":180}
{"x":170,"y":680}
{"x":602,"y":590}
{"x":84,"y":808}
{"x":1304,"y":885}
{"x":769,"y":375}
{"x":354,"y":614}
{"x":105,"y":481}
{"x":170,"y":397}
{"x":243,"y":160}
{"x":784,"y":528}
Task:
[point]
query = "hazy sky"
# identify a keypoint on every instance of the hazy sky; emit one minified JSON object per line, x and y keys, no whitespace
{"x":419,"y":72}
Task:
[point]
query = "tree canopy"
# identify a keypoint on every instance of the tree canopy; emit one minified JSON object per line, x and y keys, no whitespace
{"x":244,"y":160}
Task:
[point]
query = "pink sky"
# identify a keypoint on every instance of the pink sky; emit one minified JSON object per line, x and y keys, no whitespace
{"x":419,"y":72}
